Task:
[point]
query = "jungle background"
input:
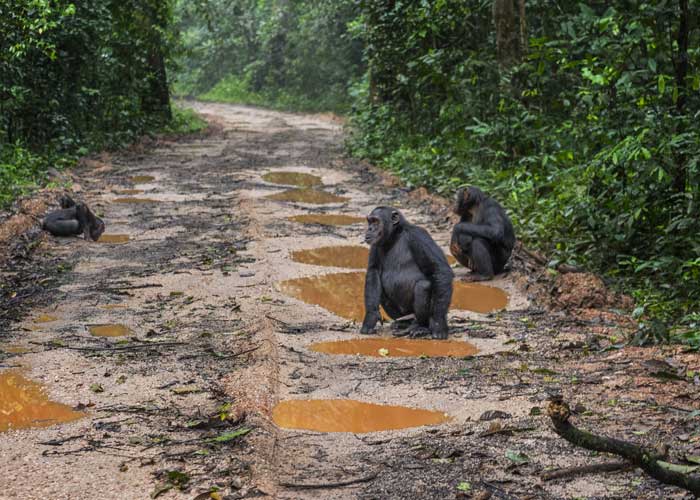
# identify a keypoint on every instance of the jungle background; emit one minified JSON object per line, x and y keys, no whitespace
{"x":581,"y":118}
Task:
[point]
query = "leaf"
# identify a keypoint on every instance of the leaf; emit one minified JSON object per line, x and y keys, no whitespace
{"x":186,"y":389}
{"x":177,"y":478}
{"x":464,"y":486}
{"x":229,"y":436}
{"x":383,"y":352}
{"x":97,"y":388}
{"x":695,"y":459}
{"x":682,"y":469}
{"x":161,"y":489}
{"x":516,"y":457}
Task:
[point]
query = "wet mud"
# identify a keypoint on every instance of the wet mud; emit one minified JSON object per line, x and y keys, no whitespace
{"x":382,"y":347}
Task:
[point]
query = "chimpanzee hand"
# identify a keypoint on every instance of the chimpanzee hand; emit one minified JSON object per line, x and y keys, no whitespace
{"x":439,"y":329}
{"x":370,"y":322}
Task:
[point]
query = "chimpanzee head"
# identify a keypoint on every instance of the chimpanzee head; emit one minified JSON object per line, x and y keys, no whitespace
{"x":93,"y":226}
{"x":467,"y":198}
{"x":66,"y":201}
{"x":382,"y":222}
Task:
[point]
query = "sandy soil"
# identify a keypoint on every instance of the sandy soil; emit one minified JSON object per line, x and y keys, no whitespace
{"x":216,"y":345}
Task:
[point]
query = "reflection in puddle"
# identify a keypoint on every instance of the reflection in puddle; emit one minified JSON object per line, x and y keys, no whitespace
{"x":24,"y":404}
{"x":342,"y":294}
{"x":352,"y":257}
{"x":45,"y":318}
{"x":114,"y":238}
{"x":293,"y":179}
{"x":396,"y":348}
{"x":141,"y":179}
{"x":345,"y":415}
{"x":110,"y":330}
{"x":305,"y":195}
{"x":129,"y":191}
{"x":327,"y":219}
{"x":478,"y":298}
{"x":134,"y":200}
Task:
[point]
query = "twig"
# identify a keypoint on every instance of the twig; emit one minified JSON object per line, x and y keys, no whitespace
{"x":337,"y":484}
{"x":646,"y":459}
{"x":586,"y":469}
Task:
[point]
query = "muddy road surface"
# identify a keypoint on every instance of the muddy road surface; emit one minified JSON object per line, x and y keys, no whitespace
{"x":208,"y":345}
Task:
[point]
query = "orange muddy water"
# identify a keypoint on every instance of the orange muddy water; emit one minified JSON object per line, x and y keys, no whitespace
{"x":110,"y":330}
{"x":114,"y":238}
{"x":11,"y":349}
{"x":397,"y":348}
{"x":307,"y":195}
{"x":135,"y":200}
{"x":342,"y":294}
{"x":24,"y":404}
{"x":293,"y":179}
{"x":327,"y":219}
{"x":351,"y":257}
{"x":346,"y":415}
{"x":110,"y":307}
{"x":142,"y":179}
{"x":45,"y":318}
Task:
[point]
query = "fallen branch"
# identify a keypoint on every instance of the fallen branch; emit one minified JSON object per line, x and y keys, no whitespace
{"x":586,"y":469}
{"x":646,"y":459}
{"x":337,"y":484}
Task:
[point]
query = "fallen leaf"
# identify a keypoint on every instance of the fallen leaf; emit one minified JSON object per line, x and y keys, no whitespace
{"x":516,"y":457}
{"x":96,"y":388}
{"x":383,"y":352}
{"x":464,"y":486}
{"x":228,"y":436}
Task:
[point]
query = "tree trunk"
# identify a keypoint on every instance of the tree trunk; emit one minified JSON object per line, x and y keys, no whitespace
{"x":508,"y":32}
{"x":681,"y":67}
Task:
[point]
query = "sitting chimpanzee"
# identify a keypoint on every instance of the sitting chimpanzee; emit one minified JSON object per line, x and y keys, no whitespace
{"x":484,"y":239}
{"x":74,"y":219}
{"x":407,"y":274}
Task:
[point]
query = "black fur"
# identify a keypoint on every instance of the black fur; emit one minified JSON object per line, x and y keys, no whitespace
{"x":484,"y":238}
{"x":407,"y":274}
{"x":73,"y":219}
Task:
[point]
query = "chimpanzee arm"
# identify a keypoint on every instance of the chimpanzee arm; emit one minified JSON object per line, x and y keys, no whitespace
{"x":373,"y":292}
{"x":492,"y":228}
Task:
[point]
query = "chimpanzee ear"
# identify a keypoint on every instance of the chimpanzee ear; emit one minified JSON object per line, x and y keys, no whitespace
{"x":395,"y":217}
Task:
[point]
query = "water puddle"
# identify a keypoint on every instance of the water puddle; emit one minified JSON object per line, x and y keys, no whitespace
{"x":45,"y":318}
{"x":397,"y":348}
{"x":306,"y":195}
{"x":327,"y":219}
{"x":114,"y":239}
{"x":293,"y":179}
{"x":110,"y":307}
{"x":110,"y":330}
{"x":129,"y":191}
{"x":478,"y":298}
{"x":352,"y":257}
{"x":142,"y":179}
{"x":342,"y":294}
{"x":135,"y":200}
{"x":12,"y":349}
{"x":346,"y":415}
{"x":24,"y":404}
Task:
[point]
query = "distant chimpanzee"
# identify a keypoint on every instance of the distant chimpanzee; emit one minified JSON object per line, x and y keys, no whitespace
{"x":407,"y":274}
{"x":74,"y":219}
{"x":484,"y":239}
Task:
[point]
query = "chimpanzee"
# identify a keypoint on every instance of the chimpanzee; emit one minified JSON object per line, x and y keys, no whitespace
{"x":407,"y":274}
{"x":484,"y":239}
{"x":74,"y":219}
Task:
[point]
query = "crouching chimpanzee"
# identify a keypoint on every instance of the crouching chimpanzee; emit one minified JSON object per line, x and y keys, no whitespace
{"x":407,"y":274}
{"x":483,"y":239}
{"x":74,"y":219}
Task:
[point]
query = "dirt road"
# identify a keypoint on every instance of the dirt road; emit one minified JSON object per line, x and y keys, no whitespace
{"x":181,"y":402}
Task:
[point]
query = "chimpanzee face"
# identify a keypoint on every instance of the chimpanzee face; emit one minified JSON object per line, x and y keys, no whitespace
{"x":380,"y":224}
{"x":464,"y":200}
{"x":96,"y":229}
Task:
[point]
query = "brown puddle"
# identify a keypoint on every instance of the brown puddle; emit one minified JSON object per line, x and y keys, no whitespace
{"x":306,"y":195}
{"x":293,"y":179}
{"x":346,"y":415}
{"x":114,"y":238}
{"x":351,"y":257}
{"x":129,"y":191}
{"x":397,"y":348}
{"x":24,"y":404}
{"x":110,"y":330}
{"x":142,"y":179}
{"x":45,"y":318}
{"x":342,"y":294}
{"x":11,"y":349}
{"x":135,"y":200}
{"x":110,"y":307}
{"x":327,"y":219}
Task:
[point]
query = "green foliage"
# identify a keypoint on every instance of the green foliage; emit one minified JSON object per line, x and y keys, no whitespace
{"x":289,"y":55}
{"x":184,"y":121}
{"x":590,"y":142}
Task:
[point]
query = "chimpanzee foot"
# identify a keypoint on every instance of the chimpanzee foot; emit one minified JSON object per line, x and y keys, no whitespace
{"x":417,"y":331}
{"x":473,"y":277}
